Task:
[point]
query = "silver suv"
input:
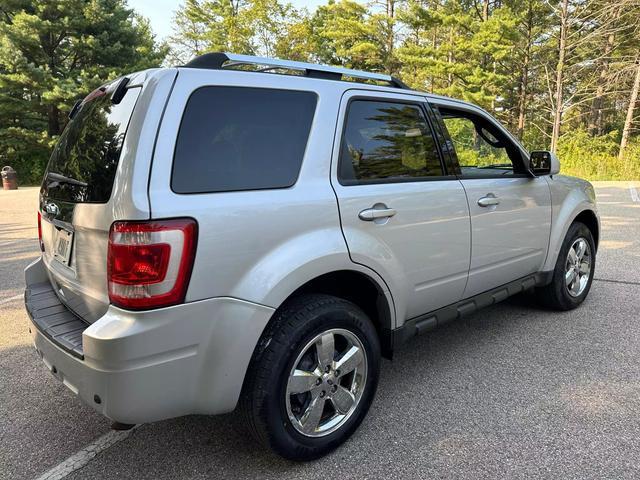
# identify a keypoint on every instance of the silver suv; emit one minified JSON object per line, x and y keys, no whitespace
{"x":258,"y":232}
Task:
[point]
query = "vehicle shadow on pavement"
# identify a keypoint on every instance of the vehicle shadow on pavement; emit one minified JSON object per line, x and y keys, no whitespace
{"x":498,"y":392}
{"x":439,"y":402}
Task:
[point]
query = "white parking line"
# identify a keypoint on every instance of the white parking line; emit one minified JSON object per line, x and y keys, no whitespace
{"x":634,"y":193}
{"x":11,"y":299}
{"x":84,"y":456}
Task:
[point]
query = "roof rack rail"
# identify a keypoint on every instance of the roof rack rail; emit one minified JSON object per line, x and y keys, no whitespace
{"x":220,"y":60}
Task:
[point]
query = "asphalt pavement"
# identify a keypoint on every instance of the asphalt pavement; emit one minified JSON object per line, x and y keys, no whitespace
{"x":514,"y":391}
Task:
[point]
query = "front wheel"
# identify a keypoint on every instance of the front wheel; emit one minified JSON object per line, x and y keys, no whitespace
{"x":573,"y":273}
{"x":312,"y":377}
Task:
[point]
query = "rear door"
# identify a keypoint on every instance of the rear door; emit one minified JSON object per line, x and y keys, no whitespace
{"x":402,"y":214}
{"x":510,"y":210}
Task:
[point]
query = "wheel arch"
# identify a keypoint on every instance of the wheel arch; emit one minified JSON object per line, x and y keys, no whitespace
{"x":581,"y":212}
{"x":360,"y":288}
{"x":589,"y":218}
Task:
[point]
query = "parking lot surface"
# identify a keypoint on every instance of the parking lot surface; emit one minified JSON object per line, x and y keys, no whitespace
{"x":514,"y":391}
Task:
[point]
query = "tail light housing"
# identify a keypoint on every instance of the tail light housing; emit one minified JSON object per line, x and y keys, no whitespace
{"x":149,"y":263}
{"x":40,"y":232}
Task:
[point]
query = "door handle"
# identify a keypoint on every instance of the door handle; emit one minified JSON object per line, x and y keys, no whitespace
{"x":371,"y":214}
{"x":489,"y":200}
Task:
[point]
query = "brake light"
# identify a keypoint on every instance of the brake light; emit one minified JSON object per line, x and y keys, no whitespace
{"x":40,"y":232}
{"x":149,"y":263}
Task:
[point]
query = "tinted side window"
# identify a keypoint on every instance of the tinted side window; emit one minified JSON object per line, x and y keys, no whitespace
{"x":385,"y":140}
{"x":236,"y":138}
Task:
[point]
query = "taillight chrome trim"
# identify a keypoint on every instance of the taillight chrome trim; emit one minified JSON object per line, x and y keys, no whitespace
{"x":40,"y":241}
{"x":181,"y":235}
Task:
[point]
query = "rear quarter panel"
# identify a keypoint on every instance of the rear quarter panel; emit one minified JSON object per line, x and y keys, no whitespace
{"x":258,"y":245}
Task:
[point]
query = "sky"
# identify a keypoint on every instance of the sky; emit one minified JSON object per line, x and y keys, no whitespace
{"x":160,"y":12}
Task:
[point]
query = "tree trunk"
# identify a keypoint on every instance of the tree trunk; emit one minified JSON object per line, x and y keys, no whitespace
{"x":595,"y":115}
{"x":390,"y":39}
{"x":524,"y":77}
{"x":626,"y":131}
{"x":450,"y":58}
{"x":562,"y":47}
{"x":53,"y":118}
{"x":435,"y":48}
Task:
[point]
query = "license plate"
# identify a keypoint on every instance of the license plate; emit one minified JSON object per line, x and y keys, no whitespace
{"x":62,"y":246}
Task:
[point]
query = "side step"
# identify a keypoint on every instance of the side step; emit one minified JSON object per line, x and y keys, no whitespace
{"x":429,"y":321}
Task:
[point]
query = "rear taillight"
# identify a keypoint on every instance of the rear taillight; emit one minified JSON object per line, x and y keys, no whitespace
{"x":40,"y":232}
{"x":149,"y":263}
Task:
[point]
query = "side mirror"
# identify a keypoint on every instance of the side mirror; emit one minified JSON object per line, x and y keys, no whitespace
{"x":542,"y":162}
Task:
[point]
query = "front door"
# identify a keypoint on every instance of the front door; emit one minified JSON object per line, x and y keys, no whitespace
{"x":401,"y":214}
{"x":510,"y":210}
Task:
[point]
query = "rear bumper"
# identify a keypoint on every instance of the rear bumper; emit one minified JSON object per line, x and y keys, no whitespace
{"x":140,"y":367}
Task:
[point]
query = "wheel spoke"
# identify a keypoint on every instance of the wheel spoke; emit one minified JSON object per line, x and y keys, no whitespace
{"x":573,"y":257}
{"x":575,"y":286}
{"x":569,"y":276}
{"x":581,"y":248}
{"x":311,"y":418}
{"x":325,"y":348}
{"x":331,"y":367}
{"x":349,"y":361}
{"x":584,"y":267}
{"x":343,"y":400}
{"x":301,"y":381}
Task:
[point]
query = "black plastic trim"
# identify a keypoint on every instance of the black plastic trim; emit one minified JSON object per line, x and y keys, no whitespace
{"x":120,"y":91}
{"x":216,"y":61}
{"x":53,"y":319}
{"x":429,"y":321}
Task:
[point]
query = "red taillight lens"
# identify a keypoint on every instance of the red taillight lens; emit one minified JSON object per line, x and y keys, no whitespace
{"x":139,"y":264}
{"x":40,"y":232}
{"x":149,"y":263}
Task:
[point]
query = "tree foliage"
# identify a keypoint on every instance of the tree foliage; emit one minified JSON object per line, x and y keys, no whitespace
{"x":53,"y":52}
{"x":551,"y":71}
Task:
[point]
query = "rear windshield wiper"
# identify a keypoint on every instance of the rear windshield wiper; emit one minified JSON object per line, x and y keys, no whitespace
{"x":56,"y":177}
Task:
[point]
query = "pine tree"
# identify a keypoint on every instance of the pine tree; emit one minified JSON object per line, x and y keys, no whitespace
{"x":51,"y":54}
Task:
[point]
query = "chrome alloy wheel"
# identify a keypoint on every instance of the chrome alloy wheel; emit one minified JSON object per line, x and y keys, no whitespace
{"x":326,"y":383}
{"x":578,"y":267}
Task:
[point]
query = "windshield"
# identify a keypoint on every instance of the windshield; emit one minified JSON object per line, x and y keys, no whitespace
{"x":83,"y":164}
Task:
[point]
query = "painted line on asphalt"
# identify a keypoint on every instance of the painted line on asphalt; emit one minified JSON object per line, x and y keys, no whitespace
{"x":634,"y":194}
{"x":84,"y":456}
{"x":623,"y":282}
{"x":11,"y":299}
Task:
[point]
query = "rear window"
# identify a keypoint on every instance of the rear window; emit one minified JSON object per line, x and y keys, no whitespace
{"x":88,"y":150}
{"x":239,"y":138}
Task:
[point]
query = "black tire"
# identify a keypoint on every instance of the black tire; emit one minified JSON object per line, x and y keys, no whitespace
{"x":263,"y":399}
{"x":556,"y":294}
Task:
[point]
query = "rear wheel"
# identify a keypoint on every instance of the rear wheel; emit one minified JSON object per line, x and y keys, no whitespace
{"x":313,"y":377}
{"x":573,"y":273}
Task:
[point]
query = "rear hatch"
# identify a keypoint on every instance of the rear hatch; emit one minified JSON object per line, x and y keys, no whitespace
{"x":76,"y":204}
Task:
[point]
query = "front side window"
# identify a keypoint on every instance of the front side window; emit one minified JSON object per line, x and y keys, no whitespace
{"x":240,"y":138}
{"x":481,"y":148}
{"x":387,"y":141}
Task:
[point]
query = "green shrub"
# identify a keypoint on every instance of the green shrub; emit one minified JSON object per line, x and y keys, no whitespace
{"x":596,"y":158}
